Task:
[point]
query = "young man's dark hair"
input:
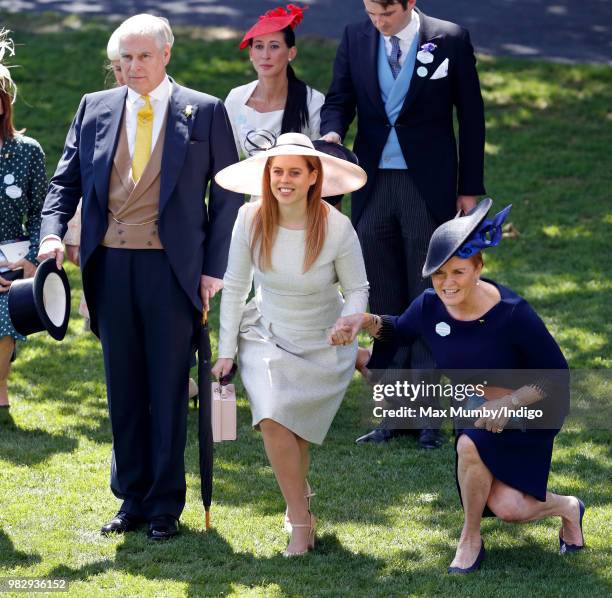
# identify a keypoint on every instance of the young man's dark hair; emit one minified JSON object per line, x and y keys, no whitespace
{"x":386,"y":3}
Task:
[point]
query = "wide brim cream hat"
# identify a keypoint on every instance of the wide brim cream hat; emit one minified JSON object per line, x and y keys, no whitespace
{"x":339,"y":176}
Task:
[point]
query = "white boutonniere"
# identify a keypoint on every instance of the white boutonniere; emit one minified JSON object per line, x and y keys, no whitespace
{"x":188,"y":112}
{"x":425,"y":56}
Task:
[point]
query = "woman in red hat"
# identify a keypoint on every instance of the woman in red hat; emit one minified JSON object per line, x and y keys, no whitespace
{"x":277,"y":101}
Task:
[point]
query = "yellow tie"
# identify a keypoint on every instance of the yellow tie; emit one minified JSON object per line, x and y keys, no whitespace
{"x":144,"y":138}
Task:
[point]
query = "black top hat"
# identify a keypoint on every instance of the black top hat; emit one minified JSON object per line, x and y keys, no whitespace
{"x":337,"y":151}
{"x":42,"y":302}
{"x":451,"y":235}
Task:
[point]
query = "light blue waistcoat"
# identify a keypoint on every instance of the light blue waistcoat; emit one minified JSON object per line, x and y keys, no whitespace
{"x":393,"y":93}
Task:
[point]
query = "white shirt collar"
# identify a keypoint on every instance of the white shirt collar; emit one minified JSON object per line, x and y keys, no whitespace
{"x":160,"y":94}
{"x":410,"y":30}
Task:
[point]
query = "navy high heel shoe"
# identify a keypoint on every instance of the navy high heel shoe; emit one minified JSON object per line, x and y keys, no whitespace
{"x":563,"y":545}
{"x":475,"y":565}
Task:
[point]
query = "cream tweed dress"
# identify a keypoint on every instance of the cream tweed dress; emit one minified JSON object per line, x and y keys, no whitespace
{"x":291,"y":373}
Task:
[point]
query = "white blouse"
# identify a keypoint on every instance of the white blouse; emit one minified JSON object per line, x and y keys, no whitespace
{"x":252,"y":129}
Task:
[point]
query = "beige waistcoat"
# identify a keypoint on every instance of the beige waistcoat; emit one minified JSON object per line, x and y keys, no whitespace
{"x":133,"y":208}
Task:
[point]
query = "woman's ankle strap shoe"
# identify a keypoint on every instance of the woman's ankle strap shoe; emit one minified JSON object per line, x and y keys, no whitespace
{"x":311,"y":537}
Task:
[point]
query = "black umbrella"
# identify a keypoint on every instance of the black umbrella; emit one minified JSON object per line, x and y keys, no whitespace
{"x":205,"y":436}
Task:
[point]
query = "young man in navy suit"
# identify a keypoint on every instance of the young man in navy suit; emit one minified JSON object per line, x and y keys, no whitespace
{"x":404,"y":74}
{"x":152,"y":255}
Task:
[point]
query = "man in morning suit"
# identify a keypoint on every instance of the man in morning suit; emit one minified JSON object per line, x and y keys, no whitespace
{"x":152,"y":253}
{"x":402,"y":72}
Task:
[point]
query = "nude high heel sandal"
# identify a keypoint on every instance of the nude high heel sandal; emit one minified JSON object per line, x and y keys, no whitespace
{"x":309,"y":494}
{"x":311,"y":537}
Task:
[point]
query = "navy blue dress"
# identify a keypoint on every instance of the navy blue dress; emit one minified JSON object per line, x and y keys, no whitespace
{"x":510,"y":336}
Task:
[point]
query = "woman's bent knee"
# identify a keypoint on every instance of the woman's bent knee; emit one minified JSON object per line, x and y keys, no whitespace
{"x":505,"y":506}
{"x":466,"y":449}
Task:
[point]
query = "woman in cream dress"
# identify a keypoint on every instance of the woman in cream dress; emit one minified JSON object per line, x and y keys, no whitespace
{"x":298,"y":252}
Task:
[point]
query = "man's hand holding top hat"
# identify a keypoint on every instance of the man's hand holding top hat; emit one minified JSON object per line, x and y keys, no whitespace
{"x":52,"y":247}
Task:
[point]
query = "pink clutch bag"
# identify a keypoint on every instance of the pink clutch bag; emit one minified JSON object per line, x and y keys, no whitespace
{"x":223,"y":412}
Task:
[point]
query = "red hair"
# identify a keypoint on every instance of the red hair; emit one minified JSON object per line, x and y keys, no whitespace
{"x":477,"y":259}
{"x":265,"y":223}
{"x":7,"y":129}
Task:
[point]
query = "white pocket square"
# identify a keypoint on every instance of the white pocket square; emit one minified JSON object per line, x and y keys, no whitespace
{"x":441,"y":71}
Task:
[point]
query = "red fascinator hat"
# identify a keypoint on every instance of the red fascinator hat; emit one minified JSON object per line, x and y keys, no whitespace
{"x":274,"y":20}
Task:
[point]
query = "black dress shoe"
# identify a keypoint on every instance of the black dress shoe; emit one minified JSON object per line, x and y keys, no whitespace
{"x":430,"y":439}
{"x":380,"y":435}
{"x":163,"y":528}
{"x":121,"y":523}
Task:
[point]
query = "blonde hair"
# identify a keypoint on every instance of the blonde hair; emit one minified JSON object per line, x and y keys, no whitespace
{"x":7,"y":46}
{"x":112,"y":48}
{"x":8,"y":89}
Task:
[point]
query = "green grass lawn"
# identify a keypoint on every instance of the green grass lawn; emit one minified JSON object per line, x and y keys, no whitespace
{"x":389,"y":516}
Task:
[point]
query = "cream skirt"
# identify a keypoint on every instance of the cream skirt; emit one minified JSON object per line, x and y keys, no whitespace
{"x":293,"y":377}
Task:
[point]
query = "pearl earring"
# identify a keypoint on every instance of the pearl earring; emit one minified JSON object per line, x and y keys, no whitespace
{"x":478,"y":283}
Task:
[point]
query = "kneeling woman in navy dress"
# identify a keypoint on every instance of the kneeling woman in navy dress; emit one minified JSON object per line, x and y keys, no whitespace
{"x":471,"y":323}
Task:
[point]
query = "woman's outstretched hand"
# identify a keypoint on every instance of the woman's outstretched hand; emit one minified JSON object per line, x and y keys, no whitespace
{"x":345,"y":330}
{"x":222,"y":368}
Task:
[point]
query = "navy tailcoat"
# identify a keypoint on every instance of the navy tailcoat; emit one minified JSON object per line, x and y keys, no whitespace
{"x":439,"y":168}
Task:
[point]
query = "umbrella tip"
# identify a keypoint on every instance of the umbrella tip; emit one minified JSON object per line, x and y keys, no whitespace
{"x":207,"y":519}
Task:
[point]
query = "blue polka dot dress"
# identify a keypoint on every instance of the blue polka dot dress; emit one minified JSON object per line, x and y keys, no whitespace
{"x":23,"y":186}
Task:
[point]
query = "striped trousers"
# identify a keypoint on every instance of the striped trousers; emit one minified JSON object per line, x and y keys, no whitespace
{"x":394,"y":231}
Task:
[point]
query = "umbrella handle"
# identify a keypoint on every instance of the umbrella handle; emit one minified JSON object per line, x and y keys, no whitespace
{"x":207,"y":524}
{"x":204,"y":317}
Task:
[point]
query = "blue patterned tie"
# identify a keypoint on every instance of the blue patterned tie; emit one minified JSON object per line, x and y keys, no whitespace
{"x":394,"y":57}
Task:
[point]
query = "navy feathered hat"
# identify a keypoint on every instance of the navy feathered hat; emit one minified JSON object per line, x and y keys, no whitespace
{"x":464,"y":236}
